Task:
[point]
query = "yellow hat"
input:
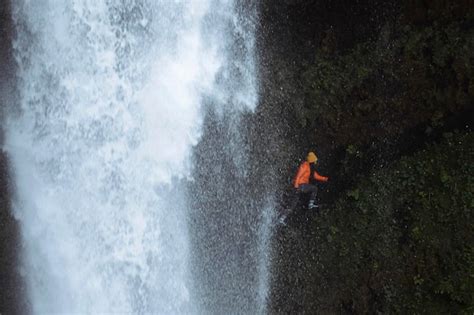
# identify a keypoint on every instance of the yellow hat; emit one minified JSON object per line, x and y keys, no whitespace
{"x":311,"y":158}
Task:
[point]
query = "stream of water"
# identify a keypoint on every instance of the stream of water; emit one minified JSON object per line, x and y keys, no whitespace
{"x":110,"y":105}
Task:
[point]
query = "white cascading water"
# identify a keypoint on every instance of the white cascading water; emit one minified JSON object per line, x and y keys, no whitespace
{"x":109,"y":107}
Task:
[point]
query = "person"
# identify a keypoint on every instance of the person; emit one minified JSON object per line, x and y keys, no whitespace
{"x":307,"y":177}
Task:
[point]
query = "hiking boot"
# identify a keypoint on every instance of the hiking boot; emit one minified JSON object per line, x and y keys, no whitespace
{"x":282,"y":220}
{"x":312,"y":205}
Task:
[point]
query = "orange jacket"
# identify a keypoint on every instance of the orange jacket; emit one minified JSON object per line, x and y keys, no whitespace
{"x":302,"y":177}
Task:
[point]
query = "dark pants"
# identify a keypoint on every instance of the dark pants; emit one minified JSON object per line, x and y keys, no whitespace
{"x":308,"y":188}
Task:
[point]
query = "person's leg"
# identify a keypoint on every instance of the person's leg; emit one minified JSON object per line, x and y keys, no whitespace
{"x":313,"y":190}
{"x":312,"y":198}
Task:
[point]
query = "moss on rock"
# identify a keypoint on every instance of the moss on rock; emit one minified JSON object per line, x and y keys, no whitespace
{"x":400,"y":241}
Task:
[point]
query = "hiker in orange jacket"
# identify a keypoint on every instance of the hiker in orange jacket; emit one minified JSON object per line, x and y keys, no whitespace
{"x":307,"y":177}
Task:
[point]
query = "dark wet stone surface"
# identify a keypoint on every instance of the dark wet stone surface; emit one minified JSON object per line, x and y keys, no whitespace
{"x":12,"y":286}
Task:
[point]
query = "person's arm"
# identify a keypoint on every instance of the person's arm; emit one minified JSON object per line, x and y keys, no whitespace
{"x":320,"y":178}
{"x":298,"y":176}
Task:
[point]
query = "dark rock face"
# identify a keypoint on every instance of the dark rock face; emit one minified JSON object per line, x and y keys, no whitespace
{"x":12,"y":286}
{"x":376,"y":88}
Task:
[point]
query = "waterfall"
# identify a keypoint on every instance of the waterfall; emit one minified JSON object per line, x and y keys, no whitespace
{"x":111,"y":99}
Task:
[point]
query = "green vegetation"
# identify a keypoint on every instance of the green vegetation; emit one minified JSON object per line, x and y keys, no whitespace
{"x":392,"y":115}
{"x":400,"y":241}
{"x":409,"y":75}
